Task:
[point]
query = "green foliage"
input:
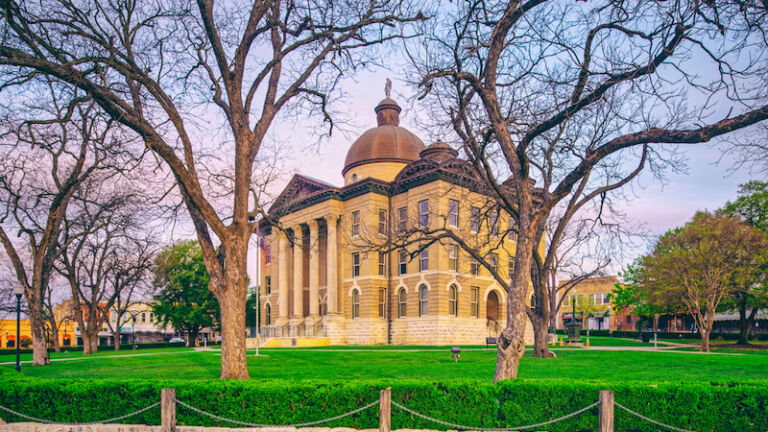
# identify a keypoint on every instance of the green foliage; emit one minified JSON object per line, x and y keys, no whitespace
{"x":100,"y":347}
{"x":751,"y":205}
{"x":694,"y":406}
{"x":251,"y":307}
{"x":629,"y":295}
{"x":184,"y":299}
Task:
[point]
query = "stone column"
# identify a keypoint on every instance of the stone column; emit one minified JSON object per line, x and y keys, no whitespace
{"x":298,"y":274}
{"x":333,"y":267}
{"x":282,"y":277}
{"x":314,"y":270}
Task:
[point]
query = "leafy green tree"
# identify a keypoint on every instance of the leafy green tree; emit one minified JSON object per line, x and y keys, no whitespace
{"x":751,"y":207}
{"x":701,"y":264}
{"x":251,"y":307}
{"x":752,"y":204}
{"x":183,"y":299}
{"x":629,"y":296}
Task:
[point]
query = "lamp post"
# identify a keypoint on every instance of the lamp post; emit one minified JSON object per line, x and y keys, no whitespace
{"x":18,"y":290}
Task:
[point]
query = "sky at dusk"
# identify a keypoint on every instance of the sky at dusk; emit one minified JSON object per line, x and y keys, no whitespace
{"x":709,"y":180}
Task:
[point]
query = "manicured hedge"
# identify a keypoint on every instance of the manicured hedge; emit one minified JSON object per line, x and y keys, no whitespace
{"x":695,"y":406}
{"x":101,"y":347}
{"x":668,"y":335}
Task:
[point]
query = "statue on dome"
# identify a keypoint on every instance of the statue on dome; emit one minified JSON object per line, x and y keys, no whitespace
{"x":388,"y":88}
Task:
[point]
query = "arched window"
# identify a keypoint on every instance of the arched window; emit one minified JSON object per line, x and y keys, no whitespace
{"x":453,"y":300}
{"x":401,"y":303}
{"x":354,"y":177}
{"x":268,"y":315}
{"x":423,"y":301}
{"x":355,"y":303}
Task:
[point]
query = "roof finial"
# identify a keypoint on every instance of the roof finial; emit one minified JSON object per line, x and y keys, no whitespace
{"x":388,"y":88}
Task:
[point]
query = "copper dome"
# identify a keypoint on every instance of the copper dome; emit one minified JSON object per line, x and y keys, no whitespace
{"x":386,"y":143}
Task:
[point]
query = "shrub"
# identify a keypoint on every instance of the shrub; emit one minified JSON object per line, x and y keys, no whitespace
{"x":695,"y":406}
{"x":101,"y":347}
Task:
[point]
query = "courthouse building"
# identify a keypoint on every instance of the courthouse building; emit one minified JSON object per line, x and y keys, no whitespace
{"x":322,"y":276}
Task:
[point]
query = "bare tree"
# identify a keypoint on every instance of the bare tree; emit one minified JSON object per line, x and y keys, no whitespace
{"x":130,"y":281}
{"x":107,"y":252}
{"x":511,"y":77}
{"x":151,"y":64}
{"x":55,"y":138}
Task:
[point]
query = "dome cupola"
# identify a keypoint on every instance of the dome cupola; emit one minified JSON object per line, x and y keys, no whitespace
{"x":381,"y":152}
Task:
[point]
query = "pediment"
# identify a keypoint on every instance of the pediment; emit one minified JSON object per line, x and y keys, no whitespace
{"x":298,"y":189}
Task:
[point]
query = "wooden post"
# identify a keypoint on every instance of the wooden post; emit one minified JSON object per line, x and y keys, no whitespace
{"x":168,"y":410}
{"x":385,"y":409}
{"x":606,"y":411}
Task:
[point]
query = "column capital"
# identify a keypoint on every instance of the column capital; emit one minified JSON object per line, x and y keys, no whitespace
{"x":332,"y":217}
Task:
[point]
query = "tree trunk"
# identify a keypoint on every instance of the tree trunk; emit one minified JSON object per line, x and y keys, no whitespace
{"x":232,"y":300}
{"x":704,"y":340}
{"x":745,"y":324}
{"x":55,"y":336}
{"x":39,"y":348}
{"x":193,"y":336}
{"x":511,"y":342}
{"x":233,"y":357}
{"x":116,"y":337}
{"x":90,"y":342}
{"x":541,"y":338}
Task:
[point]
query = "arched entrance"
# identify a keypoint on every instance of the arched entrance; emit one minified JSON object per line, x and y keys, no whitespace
{"x":492,"y":306}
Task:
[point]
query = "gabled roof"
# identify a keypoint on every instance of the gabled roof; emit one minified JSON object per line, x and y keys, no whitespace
{"x":299,"y":189}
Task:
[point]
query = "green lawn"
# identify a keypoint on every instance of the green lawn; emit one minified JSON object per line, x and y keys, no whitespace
{"x":431,"y":363}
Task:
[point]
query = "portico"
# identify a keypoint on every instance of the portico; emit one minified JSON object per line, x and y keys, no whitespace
{"x":306,"y":272}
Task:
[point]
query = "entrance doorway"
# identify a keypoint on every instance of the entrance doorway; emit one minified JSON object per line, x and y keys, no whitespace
{"x":492,"y":306}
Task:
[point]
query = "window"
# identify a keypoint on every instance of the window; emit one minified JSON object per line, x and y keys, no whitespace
{"x":453,"y":300}
{"x":512,"y":229}
{"x":453,"y":258}
{"x":143,"y":317}
{"x":268,"y":315}
{"x":382,"y":264}
{"x":423,"y":301}
{"x":424,"y":213}
{"x":355,"y":264}
{"x":403,"y":261}
{"x":151,"y":317}
{"x":494,"y":261}
{"x":401,"y":303}
{"x":114,"y":316}
{"x":354,"y":177}
{"x":268,"y":284}
{"x":355,"y":303}
{"x":629,"y":319}
{"x":474,"y":268}
{"x":606,"y":298}
{"x":382,"y":302}
{"x":402,"y":219}
{"x":474,"y":220}
{"x":453,"y":213}
{"x":474,"y":302}
{"x":494,"y":223}
{"x":356,"y":223}
{"x":511,"y":267}
{"x":382,"y":221}
{"x":424,"y":260}
{"x":267,"y":254}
